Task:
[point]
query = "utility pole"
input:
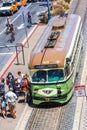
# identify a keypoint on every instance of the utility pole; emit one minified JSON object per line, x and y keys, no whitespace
{"x":49,"y":14}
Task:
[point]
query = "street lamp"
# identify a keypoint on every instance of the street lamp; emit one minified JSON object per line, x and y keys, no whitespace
{"x":49,"y":14}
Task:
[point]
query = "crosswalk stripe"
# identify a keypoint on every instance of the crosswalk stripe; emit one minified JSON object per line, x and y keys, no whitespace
{"x":8,"y":53}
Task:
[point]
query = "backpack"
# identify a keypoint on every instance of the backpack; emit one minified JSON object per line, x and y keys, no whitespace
{"x":4,"y":104}
{"x":22,"y":83}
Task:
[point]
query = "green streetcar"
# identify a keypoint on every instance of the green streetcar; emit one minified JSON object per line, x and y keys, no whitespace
{"x":54,"y":60}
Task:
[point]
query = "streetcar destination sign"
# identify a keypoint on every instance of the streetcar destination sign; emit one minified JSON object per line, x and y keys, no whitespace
{"x":45,"y":66}
{"x":80,"y":90}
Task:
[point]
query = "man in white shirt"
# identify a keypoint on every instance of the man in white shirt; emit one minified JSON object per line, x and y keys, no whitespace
{"x":11,"y":98}
{"x":20,"y":76}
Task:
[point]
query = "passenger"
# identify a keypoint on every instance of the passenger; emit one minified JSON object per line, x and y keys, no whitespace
{"x":11,"y":98}
{"x":9,"y":77}
{"x":20,"y":76}
{"x":2,"y":86}
{"x":17,"y":87}
{"x":3,"y":106}
{"x":25,"y":87}
{"x":10,"y":80}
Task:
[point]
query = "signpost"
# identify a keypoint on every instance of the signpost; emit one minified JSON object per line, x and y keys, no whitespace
{"x":80,"y":90}
{"x":23,"y":11}
{"x":19,"y":48}
{"x":49,"y":13}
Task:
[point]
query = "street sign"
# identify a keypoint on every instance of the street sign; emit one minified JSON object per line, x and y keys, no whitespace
{"x":19,"y":48}
{"x":80,"y":90}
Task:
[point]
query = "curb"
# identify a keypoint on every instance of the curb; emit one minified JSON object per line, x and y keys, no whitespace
{"x":21,"y":118}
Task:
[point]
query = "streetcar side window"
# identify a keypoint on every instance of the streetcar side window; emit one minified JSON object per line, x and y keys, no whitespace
{"x":39,"y":76}
{"x":55,"y":75}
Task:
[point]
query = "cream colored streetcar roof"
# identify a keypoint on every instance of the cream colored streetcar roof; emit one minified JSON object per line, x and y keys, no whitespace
{"x":67,"y":27}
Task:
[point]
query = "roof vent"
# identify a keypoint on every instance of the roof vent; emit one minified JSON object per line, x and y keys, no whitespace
{"x":60,"y":23}
{"x":52,"y":39}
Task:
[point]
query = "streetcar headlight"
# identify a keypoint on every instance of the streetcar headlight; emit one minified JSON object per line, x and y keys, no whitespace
{"x":58,"y":87}
{"x":36,"y":88}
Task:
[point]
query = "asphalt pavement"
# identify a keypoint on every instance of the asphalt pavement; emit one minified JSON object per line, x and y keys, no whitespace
{"x":22,"y":30}
{"x":10,"y":63}
{"x":23,"y":110}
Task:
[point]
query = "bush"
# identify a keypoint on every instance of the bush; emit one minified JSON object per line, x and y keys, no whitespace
{"x":66,"y":7}
{"x":68,"y":1}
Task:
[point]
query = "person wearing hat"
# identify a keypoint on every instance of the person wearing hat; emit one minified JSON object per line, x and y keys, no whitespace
{"x":11,"y":98}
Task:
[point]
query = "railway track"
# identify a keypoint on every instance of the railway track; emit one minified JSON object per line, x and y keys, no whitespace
{"x":45,"y":119}
{"x":59,"y":118}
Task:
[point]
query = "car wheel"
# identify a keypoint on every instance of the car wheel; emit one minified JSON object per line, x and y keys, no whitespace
{"x":16,"y":10}
{"x":11,"y":12}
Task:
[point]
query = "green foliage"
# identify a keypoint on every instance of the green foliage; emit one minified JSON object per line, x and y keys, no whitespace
{"x":68,"y":1}
{"x":66,"y":7}
{"x":44,"y":19}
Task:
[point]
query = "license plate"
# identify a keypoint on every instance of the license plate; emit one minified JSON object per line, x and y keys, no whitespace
{"x":47,"y":99}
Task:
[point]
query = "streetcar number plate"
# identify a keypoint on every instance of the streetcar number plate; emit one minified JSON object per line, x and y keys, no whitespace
{"x":47,"y":99}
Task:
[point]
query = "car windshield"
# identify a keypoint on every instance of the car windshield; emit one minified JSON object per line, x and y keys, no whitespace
{"x":55,"y":75}
{"x":39,"y":76}
{"x":6,"y":4}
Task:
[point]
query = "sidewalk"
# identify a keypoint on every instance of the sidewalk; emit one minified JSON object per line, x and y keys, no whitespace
{"x":23,"y":110}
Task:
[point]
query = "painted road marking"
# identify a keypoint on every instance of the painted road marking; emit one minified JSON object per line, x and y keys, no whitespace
{"x":8,"y":53}
{"x":20,"y":27}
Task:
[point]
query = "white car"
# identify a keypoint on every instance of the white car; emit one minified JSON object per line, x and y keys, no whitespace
{"x":8,"y":8}
{"x":1,"y":2}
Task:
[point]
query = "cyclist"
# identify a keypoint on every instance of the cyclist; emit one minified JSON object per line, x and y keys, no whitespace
{"x":29,"y":18}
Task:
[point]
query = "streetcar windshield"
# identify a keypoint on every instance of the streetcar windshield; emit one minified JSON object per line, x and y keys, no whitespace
{"x":55,"y":75}
{"x":39,"y":76}
{"x":48,"y":75}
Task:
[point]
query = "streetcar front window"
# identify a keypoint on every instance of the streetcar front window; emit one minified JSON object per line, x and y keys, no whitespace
{"x":39,"y":76}
{"x":55,"y":75}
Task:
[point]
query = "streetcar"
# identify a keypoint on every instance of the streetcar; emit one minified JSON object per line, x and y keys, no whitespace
{"x":54,"y":61}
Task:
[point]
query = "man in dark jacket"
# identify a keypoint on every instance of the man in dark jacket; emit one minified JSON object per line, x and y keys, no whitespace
{"x":2,"y":86}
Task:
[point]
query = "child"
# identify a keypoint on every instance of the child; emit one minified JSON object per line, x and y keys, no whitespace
{"x":3,"y":106}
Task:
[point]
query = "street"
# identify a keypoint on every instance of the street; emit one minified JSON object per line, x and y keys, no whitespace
{"x":21,"y":30}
